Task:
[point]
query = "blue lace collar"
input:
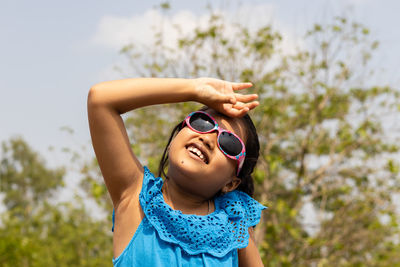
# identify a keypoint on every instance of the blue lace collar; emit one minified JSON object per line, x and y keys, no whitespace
{"x":217,"y":233}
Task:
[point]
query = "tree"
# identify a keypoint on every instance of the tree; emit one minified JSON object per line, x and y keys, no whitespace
{"x":320,"y":124}
{"x":36,"y":231}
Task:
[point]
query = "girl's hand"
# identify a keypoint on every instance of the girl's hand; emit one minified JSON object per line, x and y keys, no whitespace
{"x":220,"y":95}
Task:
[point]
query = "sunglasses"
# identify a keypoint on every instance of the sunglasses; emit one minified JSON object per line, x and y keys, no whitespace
{"x":228,"y":142}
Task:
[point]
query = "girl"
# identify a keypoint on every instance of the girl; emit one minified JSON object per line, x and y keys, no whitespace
{"x":202,"y":214}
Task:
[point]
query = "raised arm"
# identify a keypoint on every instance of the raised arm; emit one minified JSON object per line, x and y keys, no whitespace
{"x":120,"y":168}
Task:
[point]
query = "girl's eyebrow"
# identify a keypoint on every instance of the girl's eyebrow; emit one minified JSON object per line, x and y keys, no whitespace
{"x":236,"y":131}
{"x":219,"y":118}
{"x":220,"y":123}
{"x":223,"y":126}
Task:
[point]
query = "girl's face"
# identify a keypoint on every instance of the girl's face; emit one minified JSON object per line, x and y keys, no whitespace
{"x":212,"y":171}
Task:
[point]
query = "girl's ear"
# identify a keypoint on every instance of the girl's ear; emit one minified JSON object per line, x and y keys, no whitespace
{"x":232,"y":185}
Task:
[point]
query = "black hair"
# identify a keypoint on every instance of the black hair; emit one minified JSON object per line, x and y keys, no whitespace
{"x":252,"y":152}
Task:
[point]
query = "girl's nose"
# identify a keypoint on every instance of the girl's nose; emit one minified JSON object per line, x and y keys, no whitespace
{"x":209,"y":140}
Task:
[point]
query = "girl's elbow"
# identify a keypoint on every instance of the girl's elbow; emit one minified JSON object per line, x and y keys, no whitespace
{"x":94,"y":95}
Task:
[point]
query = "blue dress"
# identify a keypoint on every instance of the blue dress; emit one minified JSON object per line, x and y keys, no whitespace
{"x":166,"y":237}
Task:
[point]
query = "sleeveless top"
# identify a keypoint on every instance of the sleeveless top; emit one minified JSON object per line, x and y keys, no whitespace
{"x":167,"y":237}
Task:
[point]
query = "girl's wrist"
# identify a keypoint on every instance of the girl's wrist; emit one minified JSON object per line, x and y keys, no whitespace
{"x":193,"y":90}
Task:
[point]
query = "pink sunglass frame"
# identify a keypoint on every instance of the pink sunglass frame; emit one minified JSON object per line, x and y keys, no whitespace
{"x":239,"y":158}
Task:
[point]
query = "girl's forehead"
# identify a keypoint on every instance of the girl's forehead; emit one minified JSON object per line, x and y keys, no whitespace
{"x":231,"y":124}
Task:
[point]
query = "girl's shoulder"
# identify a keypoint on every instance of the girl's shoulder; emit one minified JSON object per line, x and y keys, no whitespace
{"x":217,"y":233}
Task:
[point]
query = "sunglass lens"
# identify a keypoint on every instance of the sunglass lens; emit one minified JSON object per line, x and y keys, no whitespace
{"x":201,"y":122}
{"x":230,"y":144}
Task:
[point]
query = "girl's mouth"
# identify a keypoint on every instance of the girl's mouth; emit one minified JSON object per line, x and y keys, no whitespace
{"x":197,"y":153}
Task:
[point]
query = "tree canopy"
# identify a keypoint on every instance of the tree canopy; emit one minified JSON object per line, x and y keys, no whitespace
{"x":37,"y":231}
{"x":325,"y":152}
{"x":328,"y":168}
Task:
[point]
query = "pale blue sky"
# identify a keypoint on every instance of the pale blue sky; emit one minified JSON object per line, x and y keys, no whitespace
{"x":51,"y":52}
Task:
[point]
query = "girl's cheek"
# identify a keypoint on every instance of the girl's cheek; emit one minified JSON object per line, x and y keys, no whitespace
{"x":225,"y":163}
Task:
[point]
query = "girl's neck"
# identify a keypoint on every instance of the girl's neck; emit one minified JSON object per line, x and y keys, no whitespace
{"x":177,"y":199}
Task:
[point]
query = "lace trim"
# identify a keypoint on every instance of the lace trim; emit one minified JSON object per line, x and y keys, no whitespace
{"x":217,"y":233}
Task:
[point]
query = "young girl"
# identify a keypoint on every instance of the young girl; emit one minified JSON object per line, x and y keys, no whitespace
{"x":201,"y":214}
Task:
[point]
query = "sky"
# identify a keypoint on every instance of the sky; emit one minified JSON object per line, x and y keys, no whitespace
{"x":52,"y":52}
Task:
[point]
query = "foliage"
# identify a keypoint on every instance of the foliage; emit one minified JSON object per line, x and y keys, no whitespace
{"x":36,"y":232}
{"x":328,"y":168}
{"x":320,"y":124}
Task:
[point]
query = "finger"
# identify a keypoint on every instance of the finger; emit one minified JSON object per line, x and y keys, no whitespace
{"x":246,"y":98}
{"x":252,"y":105}
{"x":226,"y":98}
{"x":244,"y":107}
{"x":239,"y":105}
{"x":239,"y":111}
{"x":240,"y":86}
{"x":242,"y":112}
